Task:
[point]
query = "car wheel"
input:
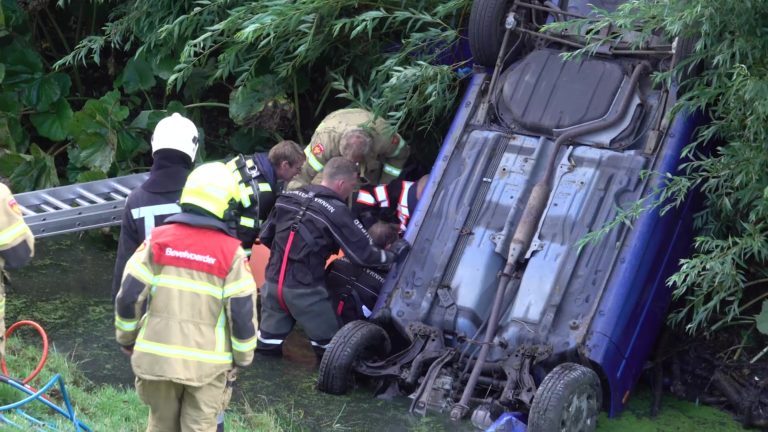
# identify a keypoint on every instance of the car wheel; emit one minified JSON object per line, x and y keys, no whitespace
{"x":568,"y":400}
{"x":684,"y":49}
{"x":486,"y":30}
{"x":355,"y":342}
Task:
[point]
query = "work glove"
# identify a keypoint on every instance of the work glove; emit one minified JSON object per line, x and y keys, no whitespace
{"x":400,"y":248}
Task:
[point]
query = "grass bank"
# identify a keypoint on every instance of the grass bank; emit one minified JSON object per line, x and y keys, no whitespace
{"x":110,"y":408}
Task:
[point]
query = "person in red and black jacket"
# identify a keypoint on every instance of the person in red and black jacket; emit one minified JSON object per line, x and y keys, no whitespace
{"x":393,"y":202}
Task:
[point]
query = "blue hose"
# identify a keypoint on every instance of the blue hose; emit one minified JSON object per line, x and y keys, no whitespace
{"x":69,"y":413}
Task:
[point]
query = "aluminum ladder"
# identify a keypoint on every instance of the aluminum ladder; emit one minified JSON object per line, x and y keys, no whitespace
{"x":77,"y":207}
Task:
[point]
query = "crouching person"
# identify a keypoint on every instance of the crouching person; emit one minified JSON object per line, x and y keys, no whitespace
{"x":185,"y":310}
{"x":306,"y":226}
{"x":354,"y":289}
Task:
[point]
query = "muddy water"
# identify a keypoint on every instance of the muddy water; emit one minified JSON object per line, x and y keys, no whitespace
{"x":67,"y":290}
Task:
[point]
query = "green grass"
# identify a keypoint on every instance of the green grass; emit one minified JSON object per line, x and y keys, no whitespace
{"x":676,"y":416}
{"x":109,"y":408}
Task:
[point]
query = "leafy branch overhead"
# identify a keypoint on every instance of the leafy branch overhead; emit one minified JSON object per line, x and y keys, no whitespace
{"x":725,"y":78}
{"x":392,"y":50}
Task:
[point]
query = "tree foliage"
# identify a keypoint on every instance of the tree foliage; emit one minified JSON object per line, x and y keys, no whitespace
{"x":731,"y":247}
{"x":389,"y":47}
{"x":246,"y":73}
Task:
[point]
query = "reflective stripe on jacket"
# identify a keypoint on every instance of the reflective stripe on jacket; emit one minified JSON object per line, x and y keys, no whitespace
{"x":187,"y":302}
{"x":395,"y":200}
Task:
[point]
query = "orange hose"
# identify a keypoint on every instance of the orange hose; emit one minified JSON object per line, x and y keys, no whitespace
{"x":43,"y":358}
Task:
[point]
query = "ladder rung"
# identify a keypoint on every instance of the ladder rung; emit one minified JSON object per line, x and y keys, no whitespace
{"x":26,"y":211}
{"x":47,"y":208}
{"x":116,"y":196}
{"x":82,"y":202}
{"x":54,"y":201}
{"x":90,"y":196}
{"x":121,"y":188}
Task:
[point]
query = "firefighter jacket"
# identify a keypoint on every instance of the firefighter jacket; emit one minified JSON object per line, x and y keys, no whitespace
{"x":353,"y":289}
{"x":325,"y":226}
{"x":393,"y":202}
{"x":187,"y":303}
{"x":149,"y":205}
{"x":258,"y":189}
{"x":17,"y":245}
{"x":383,"y":163}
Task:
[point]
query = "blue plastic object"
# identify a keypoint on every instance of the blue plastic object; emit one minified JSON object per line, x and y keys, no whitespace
{"x":39,"y":395}
{"x":509,"y":422}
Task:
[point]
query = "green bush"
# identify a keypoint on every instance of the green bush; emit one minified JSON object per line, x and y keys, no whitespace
{"x":722,"y":281}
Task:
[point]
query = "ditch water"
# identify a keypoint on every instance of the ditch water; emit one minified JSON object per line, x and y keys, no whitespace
{"x":67,"y":290}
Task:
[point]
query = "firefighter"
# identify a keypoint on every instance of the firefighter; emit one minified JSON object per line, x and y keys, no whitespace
{"x":174,"y":146}
{"x":262,"y":177}
{"x":185,"y":312}
{"x":17,"y":246}
{"x":358,"y":135}
{"x":306,"y":226}
{"x":394,"y":202}
{"x":354,"y":289}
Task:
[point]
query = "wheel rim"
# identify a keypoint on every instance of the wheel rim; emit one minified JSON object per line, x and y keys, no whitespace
{"x":580,"y":412}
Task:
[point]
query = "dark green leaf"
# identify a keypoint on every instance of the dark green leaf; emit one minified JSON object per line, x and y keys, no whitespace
{"x":98,"y":152}
{"x":762,"y":319}
{"x":175,"y":107}
{"x":64,"y":83}
{"x":8,"y":164}
{"x":163,"y":67}
{"x":29,"y":172}
{"x":147,"y":119}
{"x":12,"y":135}
{"x":9,"y":103}
{"x":22,"y":64}
{"x":53,"y":124}
{"x":95,"y":130}
{"x":41,"y":93}
{"x":248,"y":101}
{"x":137,"y":75}
{"x":6,"y":140}
{"x":87,"y":176}
{"x":129,"y":145}
{"x":2,"y":72}
{"x":250,"y":141}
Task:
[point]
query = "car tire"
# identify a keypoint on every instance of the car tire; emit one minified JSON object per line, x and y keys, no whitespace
{"x":685,"y":48}
{"x":486,"y":30}
{"x":569,"y":399}
{"x":356,"y":341}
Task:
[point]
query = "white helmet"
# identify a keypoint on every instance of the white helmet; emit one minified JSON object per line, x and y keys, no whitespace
{"x":176,"y":132}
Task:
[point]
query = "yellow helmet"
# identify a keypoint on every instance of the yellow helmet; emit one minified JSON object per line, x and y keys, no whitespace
{"x":213,"y":188}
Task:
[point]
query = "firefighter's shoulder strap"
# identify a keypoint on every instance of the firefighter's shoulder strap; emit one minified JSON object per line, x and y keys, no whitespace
{"x":249,"y":171}
{"x":294,"y":228}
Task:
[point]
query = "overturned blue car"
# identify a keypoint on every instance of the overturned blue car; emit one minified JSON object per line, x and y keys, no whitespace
{"x":496,"y":308}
